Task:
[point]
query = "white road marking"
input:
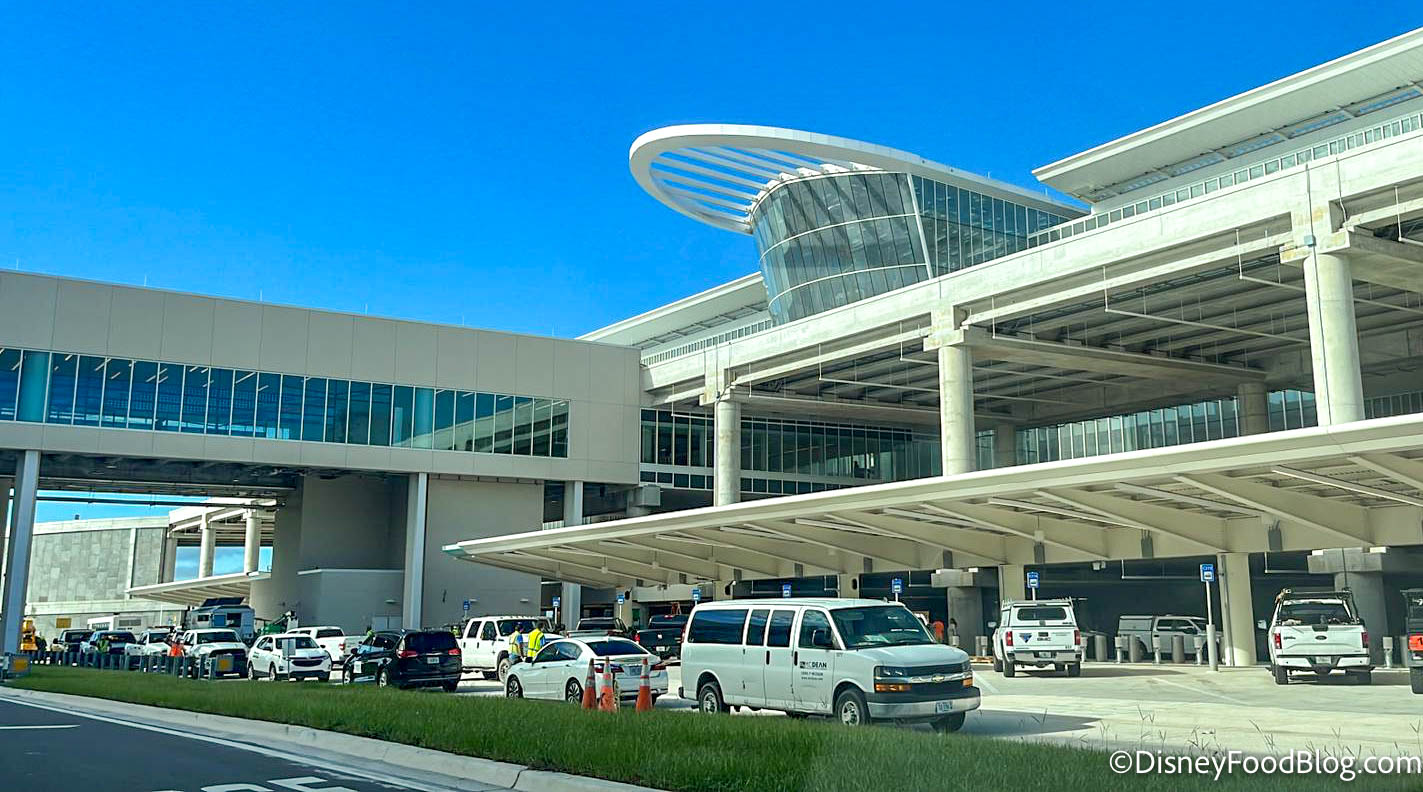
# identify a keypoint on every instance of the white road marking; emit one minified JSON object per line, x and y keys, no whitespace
{"x":1183,"y":686}
{"x":980,"y":680}
{"x":310,"y":761}
{"x":25,"y":728}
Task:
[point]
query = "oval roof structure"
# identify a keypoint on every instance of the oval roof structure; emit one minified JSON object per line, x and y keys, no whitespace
{"x":716,"y":173}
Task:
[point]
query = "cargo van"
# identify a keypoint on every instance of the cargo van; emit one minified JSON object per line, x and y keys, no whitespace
{"x":855,"y":660}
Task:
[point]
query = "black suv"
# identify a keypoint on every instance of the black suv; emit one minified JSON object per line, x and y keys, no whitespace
{"x":405,"y":658}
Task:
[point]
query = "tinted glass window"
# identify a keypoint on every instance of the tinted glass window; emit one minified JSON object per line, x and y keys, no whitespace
{"x":297,"y":642}
{"x":216,"y":636}
{"x":809,"y":623}
{"x":430,"y":642}
{"x":619,"y":647}
{"x":756,"y":632}
{"x":1041,"y":613}
{"x":780,"y":633}
{"x":329,"y":633}
{"x":487,"y":633}
{"x":383,"y":641}
{"x":556,"y":651}
{"x":721,"y":626}
{"x":1311,"y":613}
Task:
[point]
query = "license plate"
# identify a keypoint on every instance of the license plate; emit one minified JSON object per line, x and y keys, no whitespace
{"x":943,"y":706}
{"x":663,"y":648}
{"x":1045,"y":654}
{"x":433,"y":660}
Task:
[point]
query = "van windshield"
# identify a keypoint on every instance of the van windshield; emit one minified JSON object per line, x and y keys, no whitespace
{"x":887,"y":625}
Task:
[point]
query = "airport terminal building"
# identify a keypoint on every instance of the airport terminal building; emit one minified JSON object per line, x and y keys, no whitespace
{"x":1210,"y":350}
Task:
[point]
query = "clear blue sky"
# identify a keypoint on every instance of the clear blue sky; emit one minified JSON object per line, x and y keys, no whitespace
{"x":467,"y":162}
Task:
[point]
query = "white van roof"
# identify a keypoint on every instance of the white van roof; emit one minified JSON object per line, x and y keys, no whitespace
{"x":818,"y":602}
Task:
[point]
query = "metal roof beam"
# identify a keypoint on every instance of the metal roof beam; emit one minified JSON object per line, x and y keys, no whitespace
{"x":1347,"y":486}
{"x":1144,"y":516}
{"x":1394,"y":468}
{"x":1321,"y":514}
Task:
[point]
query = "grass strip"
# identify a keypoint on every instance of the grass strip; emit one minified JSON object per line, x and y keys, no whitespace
{"x":667,"y":750}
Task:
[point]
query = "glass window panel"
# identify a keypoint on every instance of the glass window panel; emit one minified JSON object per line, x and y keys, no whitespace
{"x":118,"y":377}
{"x":219,"y":417}
{"x":358,"y":431}
{"x":143,"y":395}
{"x":269,"y":393}
{"x":89,"y":392}
{"x":381,"y":404}
{"x":484,"y":422}
{"x":464,"y":422}
{"x":9,"y":382}
{"x":195,"y":398}
{"x":169,"y":411}
{"x":503,"y":424}
{"x":244,"y":403}
{"x":61,"y":388}
{"x":444,"y":436}
{"x":559,"y":437}
{"x":290,"y":417}
{"x":523,"y":425}
{"x":337,"y":392}
{"x":403,"y":420}
{"x":681,"y":438}
{"x":313,"y":417}
{"x":31,"y":403}
{"x":543,"y":426}
{"x":424,"y":414}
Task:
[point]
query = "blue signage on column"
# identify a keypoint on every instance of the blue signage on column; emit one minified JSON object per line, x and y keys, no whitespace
{"x":897,"y":586}
{"x":785,"y":589}
{"x":1207,"y":573}
{"x":1032,"y":580}
{"x":696,"y":594}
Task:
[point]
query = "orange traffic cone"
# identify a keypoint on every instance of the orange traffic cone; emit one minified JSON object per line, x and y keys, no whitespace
{"x":590,"y":693}
{"x":609,"y":700}
{"x":644,"y":691}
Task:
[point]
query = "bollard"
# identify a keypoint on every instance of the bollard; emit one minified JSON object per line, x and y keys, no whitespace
{"x":1178,"y":649}
{"x":1136,"y":650}
{"x":954,"y":641}
{"x":1388,"y":652}
{"x":1099,"y":647}
{"x":1199,"y":642}
{"x":644,"y":690}
{"x":590,"y":689}
{"x":982,"y":646}
{"x":1156,"y":650}
{"x":1119,"y":643}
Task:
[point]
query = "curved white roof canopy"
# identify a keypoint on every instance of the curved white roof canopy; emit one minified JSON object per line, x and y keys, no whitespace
{"x":716,"y":173}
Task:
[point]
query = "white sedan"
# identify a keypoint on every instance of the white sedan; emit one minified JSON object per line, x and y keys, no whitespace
{"x":560,"y":669}
{"x":288,"y":656}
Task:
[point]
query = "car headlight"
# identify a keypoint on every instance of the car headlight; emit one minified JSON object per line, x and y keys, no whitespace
{"x":891,"y":672}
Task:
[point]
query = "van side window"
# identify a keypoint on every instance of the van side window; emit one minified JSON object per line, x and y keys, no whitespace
{"x":780,"y":634}
{"x":809,"y":623}
{"x":721,"y":626}
{"x":756,"y":632}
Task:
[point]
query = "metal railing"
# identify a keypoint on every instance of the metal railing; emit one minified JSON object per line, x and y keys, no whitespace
{"x":181,"y":666}
{"x":703,"y":343}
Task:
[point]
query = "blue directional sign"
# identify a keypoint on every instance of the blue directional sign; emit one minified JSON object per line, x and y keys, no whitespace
{"x":556,"y":602}
{"x":1032,"y":580}
{"x":621,"y":598}
{"x":696,"y":594}
{"x":785,"y":589}
{"x":897,"y":586}
{"x":466,"y":607}
{"x":1207,"y":573}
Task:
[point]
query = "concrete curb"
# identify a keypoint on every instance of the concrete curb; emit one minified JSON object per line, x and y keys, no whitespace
{"x":302,"y":740}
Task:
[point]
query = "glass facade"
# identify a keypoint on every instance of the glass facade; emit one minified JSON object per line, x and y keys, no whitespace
{"x":788,"y":457}
{"x":117,"y":393}
{"x":832,"y":240}
{"x":1168,"y":426}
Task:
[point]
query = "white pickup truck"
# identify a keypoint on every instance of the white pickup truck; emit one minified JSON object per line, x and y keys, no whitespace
{"x":1318,"y":630}
{"x":484,"y":643}
{"x":333,"y":639}
{"x":1038,"y":633}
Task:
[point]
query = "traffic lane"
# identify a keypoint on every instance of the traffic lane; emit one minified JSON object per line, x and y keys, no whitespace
{"x":90,"y":753}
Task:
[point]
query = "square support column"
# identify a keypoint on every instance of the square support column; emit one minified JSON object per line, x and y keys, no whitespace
{"x":1012,"y":584}
{"x":957,"y":445}
{"x":1252,"y":408}
{"x":207,"y":547}
{"x":1237,"y":609}
{"x":1333,"y":338}
{"x":252,"y":542}
{"x":1005,"y":445}
{"x":726,"y":418}
{"x":170,"y":558}
{"x":571,"y":594}
{"x":17,"y":551}
{"x":416,"y":503}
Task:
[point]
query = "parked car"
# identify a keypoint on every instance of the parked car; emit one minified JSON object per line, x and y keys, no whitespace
{"x":600,"y":625}
{"x":118,"y":641}
{"x":405,"y":658}
{"x":1039,"y":633}
{"x":71,"y":640}
{"x":856,"y":660}
{"x":333,"y":639}
{"x":155,"y":642}
{"x":209,"y":645}
{"x":1413,"y":625}
{"x":290,"y":655}
{"x":663,"y":635}
{"x":1147,"y":628}
{"x":484,"y":643}
{"x":560,"y":670}
{"x":1317,"y":630}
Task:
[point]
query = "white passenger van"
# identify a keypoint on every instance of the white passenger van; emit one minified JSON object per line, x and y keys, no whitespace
{"x":854,"y":659}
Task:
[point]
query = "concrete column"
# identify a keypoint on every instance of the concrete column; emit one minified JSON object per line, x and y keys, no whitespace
{"x":1012,"y":583}
{"x":628,"y":610}
{"x":416,"y":502}
{"x":1005,"y":446}
{"x":1333,"y":339}
{"x":1371,"y":598}
{"x":966,"y":609}
{"x":207,"y":547}
{"x":17,"y":551}
{"x":956,"y":440}
{"x":847,"y":585}
{"x":252,"y":542}
{"x":1252,"y":408}
{"x":571,"y":594}
{"x":726,"y":418}
{"x":170,"y":558}
{"x":1237,"y":609}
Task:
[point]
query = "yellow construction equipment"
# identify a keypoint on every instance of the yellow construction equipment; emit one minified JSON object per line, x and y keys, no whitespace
{"x":27,"y":636}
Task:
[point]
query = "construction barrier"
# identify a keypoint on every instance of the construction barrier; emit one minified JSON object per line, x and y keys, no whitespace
{"x":609,"y":700}
{"x":644,"y":690}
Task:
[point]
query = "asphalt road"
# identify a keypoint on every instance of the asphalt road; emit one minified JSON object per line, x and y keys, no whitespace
{"x":44,"y":750}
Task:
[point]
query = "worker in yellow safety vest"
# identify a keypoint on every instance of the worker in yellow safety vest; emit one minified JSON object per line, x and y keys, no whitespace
{"x":536,"y":640}
{"x":518,"y":643}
